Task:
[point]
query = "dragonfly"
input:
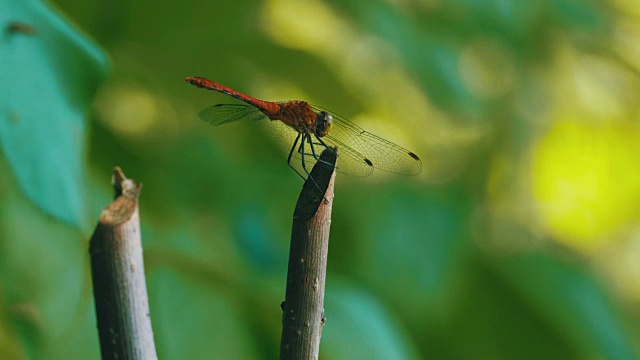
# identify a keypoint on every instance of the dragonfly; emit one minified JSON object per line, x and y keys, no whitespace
{"x":312,"y":129}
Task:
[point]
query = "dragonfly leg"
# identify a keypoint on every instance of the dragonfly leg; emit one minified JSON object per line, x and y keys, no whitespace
{"x":307,"y":137}
{"x":314,"y":152}
{"x":301,"y":151}
{"x":313,"y":149}
{"x":322,"y":142}
{"x":291,"y":153}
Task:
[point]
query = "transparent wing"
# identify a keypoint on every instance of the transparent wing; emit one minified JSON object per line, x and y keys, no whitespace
{"x":227,"y":113}
{"x":359,"y":151}
{"x":349,"y":161}
{"x":381,"y":153}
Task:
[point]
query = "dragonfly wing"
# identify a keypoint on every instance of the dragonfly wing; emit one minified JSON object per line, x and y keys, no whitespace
{"x":380,"y":153}
{"x":349,"y":160}
{"x":284,"y":136}
{"x":227,"y":113}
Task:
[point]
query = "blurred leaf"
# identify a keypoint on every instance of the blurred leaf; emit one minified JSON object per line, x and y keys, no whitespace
{"x":43,"y":273}
{"x":10,"y":347}
{"x":359,"y":327}
{"x":49,"y":75}
{"x":82,"y":341}
{"x":583,"y":15}
{"x":570,"y":298}
{"x":194,"y":321}
{"x":434,"y":59}
{"x":585,"y":180}
{"x":256,"y":241}
{"x":419,"y":237}
{"x":488,"y":319}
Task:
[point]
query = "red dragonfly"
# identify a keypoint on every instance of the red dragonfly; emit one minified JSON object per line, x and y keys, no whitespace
{"x":313,"y":129}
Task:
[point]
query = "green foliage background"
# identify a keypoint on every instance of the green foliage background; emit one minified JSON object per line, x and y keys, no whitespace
{"x":519,"y":240}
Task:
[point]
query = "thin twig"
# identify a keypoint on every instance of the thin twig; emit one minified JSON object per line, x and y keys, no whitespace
{"x":303,"y":312}
{"x":119,"y":286}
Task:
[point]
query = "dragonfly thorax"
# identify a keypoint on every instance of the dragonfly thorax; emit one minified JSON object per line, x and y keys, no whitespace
{"x":323,"y":123}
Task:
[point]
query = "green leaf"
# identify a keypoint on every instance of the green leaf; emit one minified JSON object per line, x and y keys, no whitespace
{"x":49,"y":75}
{"x":419,"y":237}
{"x":44,"y":275}
{"x":360,"y":327}
{"x":192,"y":320}
{"x":572,"y":301}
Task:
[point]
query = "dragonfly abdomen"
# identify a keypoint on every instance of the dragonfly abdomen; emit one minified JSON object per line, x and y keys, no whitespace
{"x":267,"y":107}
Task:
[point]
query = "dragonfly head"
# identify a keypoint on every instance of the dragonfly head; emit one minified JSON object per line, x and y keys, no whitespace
{"x":323,"y":123}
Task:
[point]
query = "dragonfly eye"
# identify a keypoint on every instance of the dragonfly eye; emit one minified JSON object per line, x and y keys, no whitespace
{"x":323,"y":125}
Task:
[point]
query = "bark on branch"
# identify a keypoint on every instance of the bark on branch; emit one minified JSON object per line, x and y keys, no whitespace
{"x":303,"y":310}
{"x":119,"y":286}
